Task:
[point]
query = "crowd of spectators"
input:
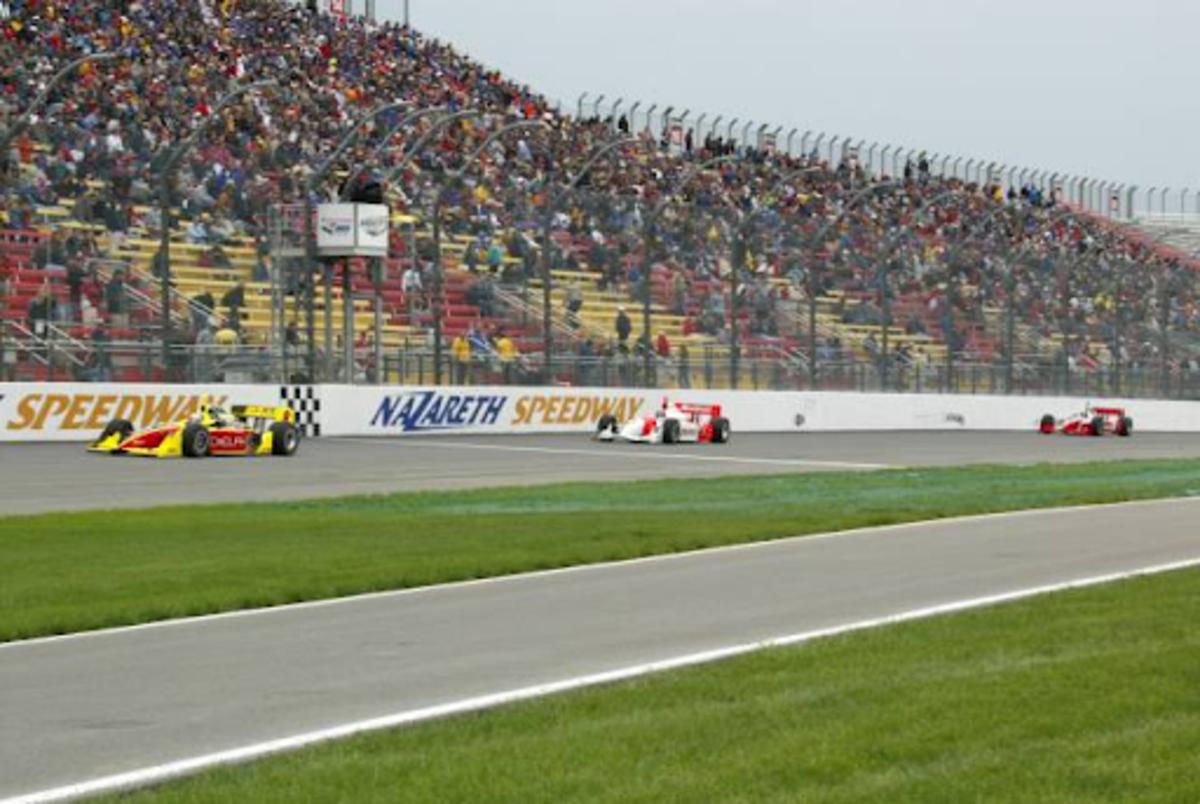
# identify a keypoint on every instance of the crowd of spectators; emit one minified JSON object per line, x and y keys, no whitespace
{"x":937,"y":253}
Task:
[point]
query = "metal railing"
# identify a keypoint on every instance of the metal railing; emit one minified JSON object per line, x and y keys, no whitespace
{"x":26,"y":356}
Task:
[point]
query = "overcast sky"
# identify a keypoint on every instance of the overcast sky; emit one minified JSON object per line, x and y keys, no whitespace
{"x":1103,"y":88}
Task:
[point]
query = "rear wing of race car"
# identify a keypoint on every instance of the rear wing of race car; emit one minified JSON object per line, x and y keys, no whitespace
{"x":1108,"y":411}
{"x":700,"y":410}
{"x":281,"y":413}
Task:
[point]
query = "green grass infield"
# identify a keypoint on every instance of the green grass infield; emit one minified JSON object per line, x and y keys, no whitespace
{"x":70,"y":572}
{"x":1080,"y":696}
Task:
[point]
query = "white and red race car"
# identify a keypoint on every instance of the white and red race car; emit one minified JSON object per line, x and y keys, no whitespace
{"x":1091,"y":421}
{"x":670,"y":424}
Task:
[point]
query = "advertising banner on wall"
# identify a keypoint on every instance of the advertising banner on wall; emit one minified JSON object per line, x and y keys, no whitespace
{"x":349,"y":410}
{"x":398,"y":411}
{"x":79,"y":411}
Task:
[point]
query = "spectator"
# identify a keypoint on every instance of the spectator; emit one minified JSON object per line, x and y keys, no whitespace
{"x":506,"y":351}
{"x":203,"y":307}
{"x":483,"y":295}
{"x":414,"y":291}
{"x":75,"y":277}
{"x":679,"y":293}
{"x":99,"y":365}
{"x":683,"y":367}
{"x":42,"y":310}
{"x":623,"y":327}
{"x":226,"y":336}
{"x":460,"y":349}
{"x":574,"y":299}
{"x":233,"y":301}
{"x":115,"y":300}
{"x":202,"y":366}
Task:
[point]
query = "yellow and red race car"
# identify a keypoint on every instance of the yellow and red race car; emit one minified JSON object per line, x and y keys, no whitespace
{"x":242,"y":430}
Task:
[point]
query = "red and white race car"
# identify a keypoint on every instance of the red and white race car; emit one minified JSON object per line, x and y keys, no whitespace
{"x":1091,"y":421}
{"x":670,"y":424}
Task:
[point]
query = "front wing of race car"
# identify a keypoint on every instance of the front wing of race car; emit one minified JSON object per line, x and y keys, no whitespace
{"x":158,"y":442}
{"x":634,"y":431}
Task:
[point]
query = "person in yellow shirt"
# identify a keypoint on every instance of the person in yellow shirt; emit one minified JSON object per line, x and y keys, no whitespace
{"x":507,"y":352}
{"x":226,"y":336}
{"x":460,"y":347}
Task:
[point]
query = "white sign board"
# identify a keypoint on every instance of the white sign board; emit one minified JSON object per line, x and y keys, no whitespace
{"x":396,"y":411}
{"x":78,"y":411}
{"x":372,"y":223}
{"x":352,"y":230}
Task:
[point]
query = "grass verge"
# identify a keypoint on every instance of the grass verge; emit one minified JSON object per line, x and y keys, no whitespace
{"x":1087,"y":695}
{"x":77,"y":571}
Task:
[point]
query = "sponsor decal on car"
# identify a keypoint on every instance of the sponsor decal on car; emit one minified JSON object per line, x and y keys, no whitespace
{"x":228,"y":440}
{"x":434,"y":410}
{"x":40,"y":412}
{"x":573,"y":408}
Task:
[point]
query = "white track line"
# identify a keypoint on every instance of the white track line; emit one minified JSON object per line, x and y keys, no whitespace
{"x":201,"y":619}
{"x":160,"y":773}
{"x":644,"y":452}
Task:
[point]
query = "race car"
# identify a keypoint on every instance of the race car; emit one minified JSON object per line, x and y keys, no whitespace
{"x":242,"y":430}
{"x":1091,"y":421}
{"x":670,"y":424}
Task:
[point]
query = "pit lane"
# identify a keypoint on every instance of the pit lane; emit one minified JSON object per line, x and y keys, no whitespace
{"x":41,"y":478}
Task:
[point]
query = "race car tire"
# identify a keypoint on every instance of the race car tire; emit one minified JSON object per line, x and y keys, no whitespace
{"x":1125,"y":427}
{"x":670,"y":431}
{"x":607,"y":422}
{"x":1097,"y":427}
{"x":195,"y":441}
{"x":720,"y":433}
{"x":1047,"y":425}
{"x":285,"y":439}
{"x":120,"y":426}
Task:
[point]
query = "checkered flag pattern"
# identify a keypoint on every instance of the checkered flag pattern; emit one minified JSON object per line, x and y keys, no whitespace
{"x":303,"y":399}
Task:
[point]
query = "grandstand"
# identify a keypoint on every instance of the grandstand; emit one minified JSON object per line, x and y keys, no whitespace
{"x":770,"y":266}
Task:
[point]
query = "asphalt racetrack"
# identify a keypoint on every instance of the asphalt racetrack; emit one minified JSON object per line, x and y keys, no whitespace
{"x":39,"y":478}
{"x":132,"y":701}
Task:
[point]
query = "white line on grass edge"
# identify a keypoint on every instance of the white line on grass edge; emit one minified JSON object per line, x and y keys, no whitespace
{"x":599,"y":566}
{"x":157,"y":774}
